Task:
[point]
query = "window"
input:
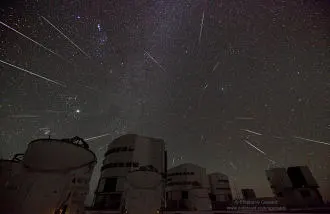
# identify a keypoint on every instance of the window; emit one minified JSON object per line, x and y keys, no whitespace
{"x":212,"y":197}
{"x":99,"y":201}
{"x":305,"y":193}
{"x":184,"y":194}
{"x":180,"y":173}
{"x":115,"y":165}
{"x":196,"y":183}
{"x":221,"y":188}
{"x":110,"y":185}
{"x":279,"y":194}
{"x":297,"y":177}
{"x":113,"y":201}
{"x":119,"y":149}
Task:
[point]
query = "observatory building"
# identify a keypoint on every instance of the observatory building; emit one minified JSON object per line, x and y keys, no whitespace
{"x":220,"y":192}
{"x":188,"y":188}
{"x":52,"y":177}
{"x":295,"y":186}
{"x":132,"y":164}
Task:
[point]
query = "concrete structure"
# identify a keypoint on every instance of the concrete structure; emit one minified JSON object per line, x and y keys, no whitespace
{"x":54,"y":177}
{"x":248,"y":194}
{"x":10,"y":171}
{"x":124,"y":155}
{"x":220,"y":192}
{"x":188,"y":188}
{"x":143,"y":191}
{"x":294,"y":187}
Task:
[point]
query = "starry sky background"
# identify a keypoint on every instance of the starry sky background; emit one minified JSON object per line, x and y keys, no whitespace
{"x":158,"y":68}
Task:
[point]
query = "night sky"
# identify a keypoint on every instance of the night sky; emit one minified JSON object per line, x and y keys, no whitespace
{"x":235,"y":86}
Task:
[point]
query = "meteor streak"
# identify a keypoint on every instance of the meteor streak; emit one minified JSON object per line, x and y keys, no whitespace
{"x":255,"y":147}
{"x":201,"y":30}
{"x":259,"y":150}
{"x":153,"y":59}
{"x":33,"y":74}
{"x":270,"y":160}
{"x":244,"y":118}
{"x":56,"y":112}
{"x":252,"y":132}
{"x":311,"y":140}
{"x":96,"y":137}
{"x":215,"y":66}
{"x":58,"y":30}
{"x":35,"y":42}
{"x":24,"y":116}
{"x":277,"y":137}
{"x":232,"y":165}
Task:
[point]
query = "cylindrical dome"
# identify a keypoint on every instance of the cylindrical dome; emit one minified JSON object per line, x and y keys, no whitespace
{"x":124,"y":155}
{"x":56,"y":176}
{"x":56,"y":155}
{"x":143,"y":192}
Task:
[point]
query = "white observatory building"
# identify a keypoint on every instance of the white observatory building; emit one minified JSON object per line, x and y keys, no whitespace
{"x":220,"y":192}
{"x":52,"y":177}
{"x":188,"y":188}
{"x":133,"y":165}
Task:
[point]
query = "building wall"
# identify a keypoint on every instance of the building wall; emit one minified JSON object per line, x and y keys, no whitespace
{"x":278,"y":177}
{"x":10,"y":181}
{"x":278,"y":180}
{"x":188,"y":188}
{"x":143,"y":193}
{"x":220,"y":187}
